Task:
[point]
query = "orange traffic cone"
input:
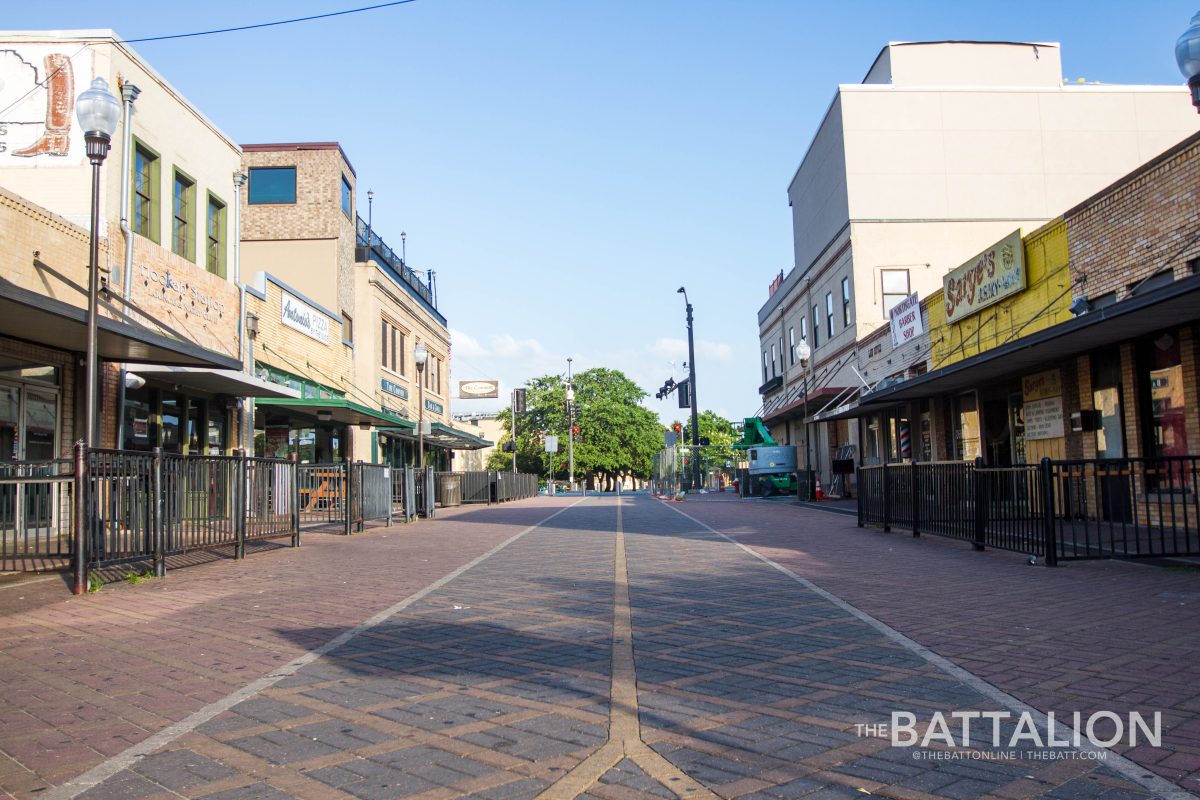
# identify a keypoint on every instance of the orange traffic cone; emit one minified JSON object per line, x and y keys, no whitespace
{"x":820,"y":490}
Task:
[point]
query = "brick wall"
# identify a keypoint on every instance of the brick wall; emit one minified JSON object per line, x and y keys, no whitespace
{"x":1145,"y":223}
{"x":292,"y":351}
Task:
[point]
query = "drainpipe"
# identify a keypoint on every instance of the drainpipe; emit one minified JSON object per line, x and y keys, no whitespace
{"x":129,"y":93}
{"x":247,"y":403}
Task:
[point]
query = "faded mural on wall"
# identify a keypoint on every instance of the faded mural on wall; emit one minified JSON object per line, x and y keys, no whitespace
{"x":37,"y":105}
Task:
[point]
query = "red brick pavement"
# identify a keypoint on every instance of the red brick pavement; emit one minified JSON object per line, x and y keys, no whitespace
{"x":83,"y":678}
{"x":1088,"y":636}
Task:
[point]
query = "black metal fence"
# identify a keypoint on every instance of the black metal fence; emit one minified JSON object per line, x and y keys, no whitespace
{"x":36,"y":502}
{"x":1056,"y":510}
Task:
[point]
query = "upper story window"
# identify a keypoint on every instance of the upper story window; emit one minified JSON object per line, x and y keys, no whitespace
{"x":774,"y":370}
{"x":145,"y":192}
{"x":792,"y":346}
{"x":272,"y":185}
{"x":764,"y":366}
{"x":392,"y":348}
{"x":804,"y":329}
{"x":214,"y":251}
{"x":829,"y":314}
{"x":347,"y":329}
{"x":895,"y":287}
{"x":183,"y":213}
{"x":345,"y":196}
{"x":846,"y":301}
{"x":816,"y":326}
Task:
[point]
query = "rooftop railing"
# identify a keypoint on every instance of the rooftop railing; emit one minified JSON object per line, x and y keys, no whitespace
{"x":392,"y":260}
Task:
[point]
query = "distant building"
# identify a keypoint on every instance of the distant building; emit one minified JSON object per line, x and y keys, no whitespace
{"x":941,"y":151}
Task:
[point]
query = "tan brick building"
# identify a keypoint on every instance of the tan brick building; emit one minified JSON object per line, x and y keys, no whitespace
{"x":339,"y":321}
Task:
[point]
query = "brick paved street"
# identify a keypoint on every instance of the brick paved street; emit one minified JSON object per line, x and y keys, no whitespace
{"x":307,"y":673}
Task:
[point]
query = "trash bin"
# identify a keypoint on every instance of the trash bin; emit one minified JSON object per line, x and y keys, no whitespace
{"x":449,"y":489}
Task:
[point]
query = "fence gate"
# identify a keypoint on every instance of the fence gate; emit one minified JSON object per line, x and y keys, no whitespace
{"x":35,"y":514}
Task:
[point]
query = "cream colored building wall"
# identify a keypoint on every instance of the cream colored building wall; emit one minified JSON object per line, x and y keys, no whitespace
{"x":378,"y":296}
{"x":974,"y":63}
{"x":305,"y":264}
{"x":163,"y":119}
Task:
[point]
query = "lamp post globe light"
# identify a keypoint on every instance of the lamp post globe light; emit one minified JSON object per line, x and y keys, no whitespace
{"x":97,"y":111}
{"x":805,"y":352}
{"x":692,"y":391}
{"x":420,"y":356}
{"x":1187,"y":55}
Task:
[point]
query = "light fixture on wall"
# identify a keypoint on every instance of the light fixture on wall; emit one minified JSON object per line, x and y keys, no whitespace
{"x":1080,"y":305}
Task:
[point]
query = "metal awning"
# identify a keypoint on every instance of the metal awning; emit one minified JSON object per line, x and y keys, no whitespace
{"x":215,"y":381}
{"x":443,"y":436}
{"x":339,"y":409}
{"x":63,"y":326}
{"x":1175,"y":304}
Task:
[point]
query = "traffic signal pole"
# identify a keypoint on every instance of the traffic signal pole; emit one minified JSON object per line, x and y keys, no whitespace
{"x":692,"y":392}
{"x":570,"y":429}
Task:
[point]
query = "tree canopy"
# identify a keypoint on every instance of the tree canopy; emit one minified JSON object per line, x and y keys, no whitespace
{"x":617,"y":437}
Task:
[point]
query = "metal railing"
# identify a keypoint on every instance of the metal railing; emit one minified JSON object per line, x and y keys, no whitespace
{"x":36,"y":504}
{"x":393,"y":261}
{"x":1059,"y":510}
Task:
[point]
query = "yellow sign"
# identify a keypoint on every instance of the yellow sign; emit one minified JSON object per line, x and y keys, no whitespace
{"x":986,"y":279}
{"x":1042,"y":385}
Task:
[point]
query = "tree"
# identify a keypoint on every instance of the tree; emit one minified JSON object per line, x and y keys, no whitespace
{"x":618,"y":437}
{"x":720,"y":434}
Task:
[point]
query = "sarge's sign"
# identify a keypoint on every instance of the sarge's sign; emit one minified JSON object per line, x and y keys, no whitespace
{"x":986,"y":279}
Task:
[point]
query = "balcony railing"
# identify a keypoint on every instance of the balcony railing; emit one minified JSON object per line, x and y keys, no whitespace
{"x":390,"y":259}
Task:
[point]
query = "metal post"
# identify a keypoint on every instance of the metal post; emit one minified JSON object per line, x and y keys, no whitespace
{"x":294,"y":476}
{"x":81,"y":521}
{"x":421,"y":416}
{"x":695,"y":402}
{"x":91,"y":431}
{"x":570,"y":428}
{"x":513,"y":406}
{"x":347,"y":492}
{"x":158,"y":524}
{"x":808,"y":481}
{"x":859,"y":483}
{"x":1050,"y":526}
{"x":980,"y":504}
{"x":887,"y":500}
{"x":241,"y":505}
{"x":914,"y":483}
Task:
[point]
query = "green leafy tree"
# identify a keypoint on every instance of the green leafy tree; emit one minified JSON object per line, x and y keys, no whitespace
{"x":721,"y":435}
{"x":618,"y":437}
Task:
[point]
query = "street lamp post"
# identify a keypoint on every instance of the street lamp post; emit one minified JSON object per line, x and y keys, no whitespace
{"x":1187,"y":55}
{"x":97,"y":111}
{"x":805,"y":352}
{"x":370,"y":213}
{"x":570,"y":428}
{"x":692,"y":393}
{"x":420,"y":356}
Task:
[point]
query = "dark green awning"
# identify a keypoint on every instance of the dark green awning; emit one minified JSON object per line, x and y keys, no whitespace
{"x":340,"y":410}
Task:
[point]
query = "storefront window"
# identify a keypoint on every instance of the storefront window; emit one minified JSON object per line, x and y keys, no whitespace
{"x":140,"y":430}
{"x":1162,"y":381}
{"x":966,"y":427}
{"x":1106,"y":397}
{"x":171,"y":423}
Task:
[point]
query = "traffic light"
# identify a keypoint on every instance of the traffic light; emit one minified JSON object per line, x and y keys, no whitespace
{"x":684,"y":394}
{"x":666,"y":389}
{"x":678,"y":428}
{"x":507,"y":447}
{"x":518,"y":401}
{"x":574,"y":431}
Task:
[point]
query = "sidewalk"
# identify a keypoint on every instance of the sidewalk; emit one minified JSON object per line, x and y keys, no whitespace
{"x":1087,"y":636}
{"x":83,"y":678}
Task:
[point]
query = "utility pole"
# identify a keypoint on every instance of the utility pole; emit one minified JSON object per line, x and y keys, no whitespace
{"x":692,"y":390}
{"x":570,"y":428}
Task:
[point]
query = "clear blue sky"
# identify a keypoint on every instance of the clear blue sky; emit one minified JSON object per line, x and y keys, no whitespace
{"x":565,"y":166}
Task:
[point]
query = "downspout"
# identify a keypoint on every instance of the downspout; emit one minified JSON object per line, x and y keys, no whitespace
{"x":129,"y":93}
{"x":247,"y":403}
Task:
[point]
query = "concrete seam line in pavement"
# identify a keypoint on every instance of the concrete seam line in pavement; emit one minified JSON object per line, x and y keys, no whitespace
{"x":106,"y":769}
{"x":624,"y":721}
{"x":1161,"y":787}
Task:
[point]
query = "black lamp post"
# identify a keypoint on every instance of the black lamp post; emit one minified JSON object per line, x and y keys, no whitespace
{"x":692,"y":392}
{"x":805,"y":353}
{"x":1187,"y":55}
{"x":420,"y":355}
{"x":370,"y":214}
{"x":97,"y":111}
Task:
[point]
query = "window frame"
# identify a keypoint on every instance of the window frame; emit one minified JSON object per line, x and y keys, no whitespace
{"x":792,"y":345}
{"x":829,"y":314}
{"x":846,"y":301}
{"x":884,"y":294}
{"x":394,"y":336}
{"x":152,"y":198}
{"x":347,"y":199}
{"x":250,"y":197}
{"x":816,"y":326}
{"x":347,"y":329}
{"x":219,"y":243}
{"x":183,"y":215}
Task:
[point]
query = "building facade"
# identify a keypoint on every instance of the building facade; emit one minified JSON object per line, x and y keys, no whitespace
{"x":167,"y":252}
{"x":943,"y":149}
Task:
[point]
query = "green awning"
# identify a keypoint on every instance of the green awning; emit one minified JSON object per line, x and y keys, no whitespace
{"x":443,"y":436}
{"x":340,"y":410}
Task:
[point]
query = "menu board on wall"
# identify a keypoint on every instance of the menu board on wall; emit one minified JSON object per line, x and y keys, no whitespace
{"x":1043,"y":409}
